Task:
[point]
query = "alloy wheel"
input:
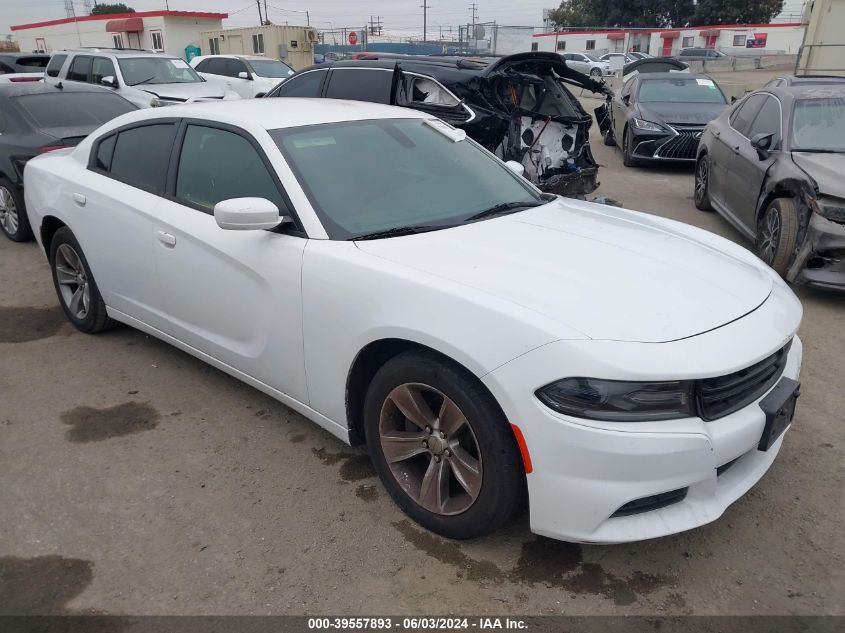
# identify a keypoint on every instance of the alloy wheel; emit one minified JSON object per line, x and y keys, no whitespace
{"x":595,"y":72}
{"x":73,"y":281}
{"x":701,"y":180}
{"x":8,"y":211}
{"x":434,"y":457}
{"x":769,"y":235}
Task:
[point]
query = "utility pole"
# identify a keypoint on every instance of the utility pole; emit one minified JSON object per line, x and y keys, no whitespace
{"x":425,"y":7}
{"x":266,"y":13}
{"x":474,"y":9}
{"x":260,"y":17}
{"x":307,"y":19}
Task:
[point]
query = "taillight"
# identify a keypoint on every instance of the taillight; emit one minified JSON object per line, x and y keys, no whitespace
{"x":50,"y":148}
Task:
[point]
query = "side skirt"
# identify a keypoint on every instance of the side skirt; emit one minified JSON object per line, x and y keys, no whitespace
{"x":338,"y":430}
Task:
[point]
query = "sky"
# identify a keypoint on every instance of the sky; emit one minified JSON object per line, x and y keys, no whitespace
{"x":405,"y":16}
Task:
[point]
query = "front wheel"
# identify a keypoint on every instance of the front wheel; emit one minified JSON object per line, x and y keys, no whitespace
{"x":78,"y":293}
{"x":627,"y":153}
{"x":441,"y":446}
{"x":777,"y":231}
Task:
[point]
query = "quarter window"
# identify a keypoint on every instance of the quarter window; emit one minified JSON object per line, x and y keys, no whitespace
{"x":105,"y":149}
{"x":217,"y":165}
{"x":55,"y":65}
{"x":80,"y":68}
{"x":304,"y":85}
{"x":360,"y":85}
{"x":141,"y":154}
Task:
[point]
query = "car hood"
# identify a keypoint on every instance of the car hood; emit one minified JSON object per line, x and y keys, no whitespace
{"x":681,"y":113}
{"x":825,"y":169}
{"x":607,"y":273}
{"x":185,"y":90}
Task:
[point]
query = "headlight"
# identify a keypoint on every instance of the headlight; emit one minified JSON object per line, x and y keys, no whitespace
{"x":647,"y":125}
{"x":620,"y":401}
{"x":830,"y":208}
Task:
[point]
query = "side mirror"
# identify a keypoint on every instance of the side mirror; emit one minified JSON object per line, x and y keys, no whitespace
{"x":626,"y":100}
{"x":247,"y":214}
{"x":243,"y":75}
{"x":109,"y":81}
{"x":763,"y":144}
{"x":515,"y":167}
{"x":733,"y":99}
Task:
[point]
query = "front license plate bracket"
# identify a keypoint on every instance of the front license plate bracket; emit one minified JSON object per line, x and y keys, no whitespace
{"x":779,"y":407}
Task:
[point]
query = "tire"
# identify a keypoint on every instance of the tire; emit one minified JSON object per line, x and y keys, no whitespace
{"x":595,"y":73}
{"x":73,"y":281}
{"x":777,"y":231}
{"x":627,"y":158}
{"x":13,"y":219}
{"x":701,"y":192}
{"x":608,"y":139}
{"x":482,"y":448}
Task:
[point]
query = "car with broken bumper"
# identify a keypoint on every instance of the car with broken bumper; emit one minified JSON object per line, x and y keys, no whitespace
{"x":518,"y":106}
{"x":626,"y":375}
{"x":772,"y":166}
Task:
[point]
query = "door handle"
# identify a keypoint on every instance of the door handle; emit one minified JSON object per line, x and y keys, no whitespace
{"x":717,"y":134}
{"x":167,"y":239}
{"x":79,"y":199}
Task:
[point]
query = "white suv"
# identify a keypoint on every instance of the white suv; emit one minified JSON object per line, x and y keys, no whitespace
{"x":147,"y":79}
{"x":248,"y":75}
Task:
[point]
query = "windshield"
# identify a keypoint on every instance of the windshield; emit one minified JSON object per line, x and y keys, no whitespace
{"x":272,"y":68}
{"x":694,"y":90}
{"x":592,"y":58}
{"x":363,"y":177}
{"x":73,"y":109}
{"x":156,"y":70}
{"x":819,"y":124}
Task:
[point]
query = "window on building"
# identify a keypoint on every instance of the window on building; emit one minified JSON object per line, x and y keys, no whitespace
{"x":157,"y":40}
{"x":117,"y":40}
{"x":214,"y":46}
{"x":258,"y":43}
{"x":534,"y":46}
{"x":591,"y":45}
{"x":739,"y":39}
{"x":561,"y":46}
{"x":688,"y":41}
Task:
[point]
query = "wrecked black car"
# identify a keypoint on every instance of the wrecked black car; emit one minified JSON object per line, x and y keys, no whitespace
{"x":772,"y":165}
{"x":518,"y":106}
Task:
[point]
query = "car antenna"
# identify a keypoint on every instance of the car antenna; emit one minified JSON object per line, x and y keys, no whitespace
{"x":60,"y":86}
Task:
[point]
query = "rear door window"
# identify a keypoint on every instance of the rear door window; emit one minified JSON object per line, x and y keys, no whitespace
{"x":360,"y":84}
{"x":141,"y":156}
{"x":55,"y":65}
{"x":304,"y":85}
{"x":80,"y":68}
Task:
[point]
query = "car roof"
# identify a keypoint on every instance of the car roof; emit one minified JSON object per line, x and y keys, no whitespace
{"x":37,"y":87}
{"x":117,"y":52}
{"x":233,"y":56}
{"x":674,"y":75}
{"x":16,"y":55}
{"x":272,"y":114}
{"x":808,"y":91}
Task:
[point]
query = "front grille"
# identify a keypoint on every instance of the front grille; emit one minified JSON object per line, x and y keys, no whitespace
{"x":721,"y":396}
{"x":681,"y":147}
{"x":653,"y":502}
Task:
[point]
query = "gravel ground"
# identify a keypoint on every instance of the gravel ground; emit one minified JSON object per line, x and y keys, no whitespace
{"x":137,"y":480}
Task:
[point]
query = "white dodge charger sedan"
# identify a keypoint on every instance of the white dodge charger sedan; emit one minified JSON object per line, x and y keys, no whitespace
{"x":380,"y":273}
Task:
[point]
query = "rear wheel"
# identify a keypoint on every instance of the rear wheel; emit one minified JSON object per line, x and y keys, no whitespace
{"x":75,"y":285}
{"x":608,"y":138}
{"x":13,"y":220}
{"x":442,"y":447}
{"x":702,"y":183}
{"x":777,"y":231}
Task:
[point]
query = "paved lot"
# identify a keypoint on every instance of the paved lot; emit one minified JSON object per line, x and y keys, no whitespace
{"x":137,"y":480}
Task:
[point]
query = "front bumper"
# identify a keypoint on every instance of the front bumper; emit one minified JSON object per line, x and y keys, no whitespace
{"x":679,"y":145}
{"x":584,"y":471}
{"x":821,"y":260}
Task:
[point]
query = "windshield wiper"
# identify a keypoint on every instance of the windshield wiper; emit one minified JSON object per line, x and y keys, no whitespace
{"x":504,"y":207}
{"x":148,"y":79}
{"x":399,"y":230}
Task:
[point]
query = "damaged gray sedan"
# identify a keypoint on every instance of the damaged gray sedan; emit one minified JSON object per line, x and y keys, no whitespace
{"x":772,"y":165}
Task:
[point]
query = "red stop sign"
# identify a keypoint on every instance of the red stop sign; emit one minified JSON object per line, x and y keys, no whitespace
{"x":353,"y":38}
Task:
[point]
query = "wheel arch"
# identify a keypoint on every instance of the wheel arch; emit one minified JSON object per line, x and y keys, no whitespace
{"x":368,"y":361}
{"x":49,"y":225}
